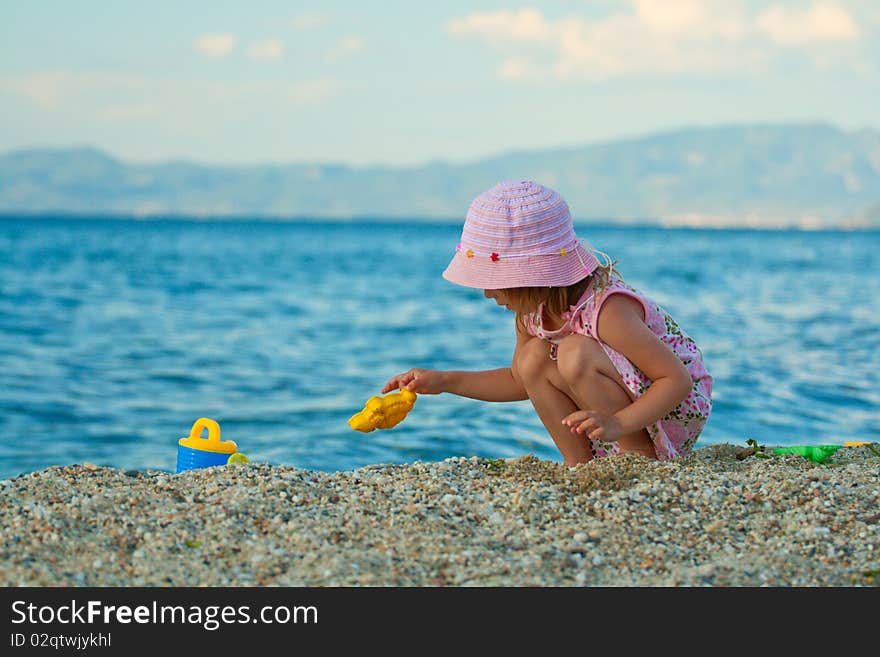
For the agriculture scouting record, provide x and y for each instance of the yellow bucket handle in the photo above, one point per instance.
(212, 443)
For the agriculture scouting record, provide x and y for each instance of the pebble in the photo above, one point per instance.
(707, 519)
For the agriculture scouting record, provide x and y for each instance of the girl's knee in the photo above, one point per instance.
(579, 355)
(532, 360)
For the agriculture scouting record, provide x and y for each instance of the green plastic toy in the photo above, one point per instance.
(816, 453)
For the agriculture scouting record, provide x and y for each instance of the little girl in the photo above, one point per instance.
(607, 369)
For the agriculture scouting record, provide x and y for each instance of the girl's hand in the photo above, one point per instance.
(425, 382)
(594, 425)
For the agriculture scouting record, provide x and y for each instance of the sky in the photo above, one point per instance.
(401, 83)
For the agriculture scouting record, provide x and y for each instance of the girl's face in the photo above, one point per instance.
(502, 298)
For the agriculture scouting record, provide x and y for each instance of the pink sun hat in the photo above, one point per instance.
(519, 234)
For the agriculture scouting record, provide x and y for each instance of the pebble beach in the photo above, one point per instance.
(719, 517)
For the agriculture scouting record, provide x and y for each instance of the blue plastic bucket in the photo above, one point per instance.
(189, 459)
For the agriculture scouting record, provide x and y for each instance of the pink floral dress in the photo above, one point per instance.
(673, 435)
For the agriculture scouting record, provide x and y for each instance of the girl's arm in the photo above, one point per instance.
(621, 325)
(489, 385)
(500, 385)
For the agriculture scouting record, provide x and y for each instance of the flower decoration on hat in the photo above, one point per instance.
(494, 257)
(469, 253)
(563, 252)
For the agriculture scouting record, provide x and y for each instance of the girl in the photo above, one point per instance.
(607, 370)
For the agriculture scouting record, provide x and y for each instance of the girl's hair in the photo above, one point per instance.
(557, 300)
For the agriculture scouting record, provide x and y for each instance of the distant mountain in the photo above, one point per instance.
(812, 175)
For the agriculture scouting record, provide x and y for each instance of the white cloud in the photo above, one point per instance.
(517, 69)
(215, 45)
(52, 90)
(345, 46)
(131, 112)
(44, 90)
(499, 26)
(823, 22)
(671, 17)
(118, 98)
(687, 18)
(268, 50)
(311, 92)
(310, 20)
(652, 37)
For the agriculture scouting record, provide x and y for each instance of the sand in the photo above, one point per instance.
(716, 518)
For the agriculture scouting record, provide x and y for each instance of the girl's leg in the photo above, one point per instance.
(592, 381)
(542, 381)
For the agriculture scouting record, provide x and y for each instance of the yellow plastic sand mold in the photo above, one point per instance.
(383, 412)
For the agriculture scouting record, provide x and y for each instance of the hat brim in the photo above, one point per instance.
(532, 271)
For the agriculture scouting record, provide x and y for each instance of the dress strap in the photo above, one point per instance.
(586, 297)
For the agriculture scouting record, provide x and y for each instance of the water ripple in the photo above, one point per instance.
(115, 336)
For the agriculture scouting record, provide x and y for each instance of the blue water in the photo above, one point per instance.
(115, 336)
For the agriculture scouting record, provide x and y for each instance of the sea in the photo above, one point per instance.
(116, 335)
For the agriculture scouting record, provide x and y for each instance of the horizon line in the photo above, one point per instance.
(247, 218)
